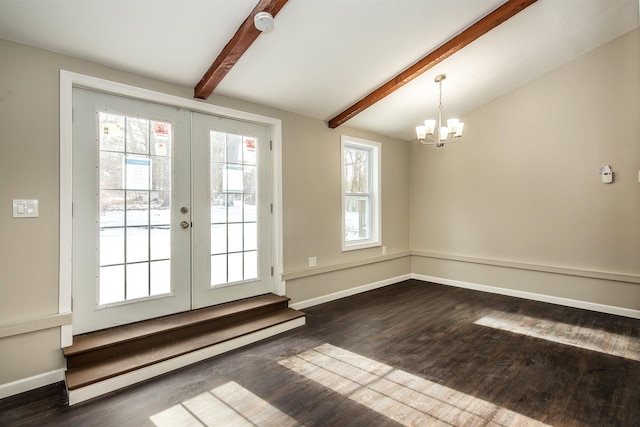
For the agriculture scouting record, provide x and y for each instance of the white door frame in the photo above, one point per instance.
(69, 80)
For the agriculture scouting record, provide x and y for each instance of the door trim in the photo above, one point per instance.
(69, 80)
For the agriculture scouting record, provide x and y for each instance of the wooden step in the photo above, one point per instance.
(108, 343)
(152, 346)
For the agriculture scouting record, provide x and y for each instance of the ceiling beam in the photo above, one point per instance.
(237, 46)
(479, 28)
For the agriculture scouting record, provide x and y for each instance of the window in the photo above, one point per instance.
(360, 193)
(135, 205)
(234, 216)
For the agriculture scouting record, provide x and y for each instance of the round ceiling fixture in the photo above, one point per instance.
(263, 21)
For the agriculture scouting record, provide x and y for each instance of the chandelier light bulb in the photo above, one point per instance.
(430, 125)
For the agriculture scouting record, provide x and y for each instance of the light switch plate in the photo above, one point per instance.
(23, 208)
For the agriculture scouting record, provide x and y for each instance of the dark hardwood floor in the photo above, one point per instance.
(413, 353)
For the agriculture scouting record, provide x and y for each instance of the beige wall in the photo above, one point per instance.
(520, 188)
(347, 280)
(312, 194)
(29, 168)
(522, 185)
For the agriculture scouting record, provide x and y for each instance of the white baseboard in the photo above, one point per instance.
(586, 305)
(31, 383)
(139, 375)
(348, 292)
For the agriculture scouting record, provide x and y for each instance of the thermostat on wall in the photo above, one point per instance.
(606, 173)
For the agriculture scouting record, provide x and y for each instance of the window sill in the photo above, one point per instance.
(356, 246)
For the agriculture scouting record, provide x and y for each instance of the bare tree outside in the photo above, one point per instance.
(357, 193)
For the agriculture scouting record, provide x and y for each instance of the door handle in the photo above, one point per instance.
(184, 224)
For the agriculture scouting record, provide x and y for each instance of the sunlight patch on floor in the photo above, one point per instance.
(563, 333)
(403, 397)
(229, 405)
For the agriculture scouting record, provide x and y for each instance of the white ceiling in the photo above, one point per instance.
(324, 55)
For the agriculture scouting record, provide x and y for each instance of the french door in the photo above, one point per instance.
(232, 204)
(170, 210)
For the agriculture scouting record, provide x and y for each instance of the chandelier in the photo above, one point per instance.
(443, 134)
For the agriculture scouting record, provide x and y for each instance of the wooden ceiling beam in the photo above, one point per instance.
(475, 31)
(235, 48)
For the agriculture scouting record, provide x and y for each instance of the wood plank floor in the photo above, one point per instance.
(409, 354)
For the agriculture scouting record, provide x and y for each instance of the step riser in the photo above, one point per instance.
(128, 332)
(105, 353)
(114, 358)
(107, 369)
(125, 363)
(94, 390)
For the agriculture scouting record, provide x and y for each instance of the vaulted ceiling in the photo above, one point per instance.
(325, 55)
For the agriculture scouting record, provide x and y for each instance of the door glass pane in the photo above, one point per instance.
(137, 244)
(111, 208)
(218, 208)
(160, 277)
(137, 280)
(250, 236)
(218, 146)
(233, 145)
(137, 136)
(234, 208)
(111, 170)
(111, 132)
(249, 151)
(250, 206)
(160, 242)
(218, 238)
(234, 197)
(218, 269)
(112, 246)
(135, 207)
(235, 238)
(161, 173)
(111, 284)
(160, 139)
(160, 205)
(250, 265)
(235, 267)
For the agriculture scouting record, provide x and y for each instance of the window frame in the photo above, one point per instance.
(373, 194)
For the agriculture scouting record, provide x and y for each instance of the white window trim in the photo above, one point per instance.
(375, 172)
